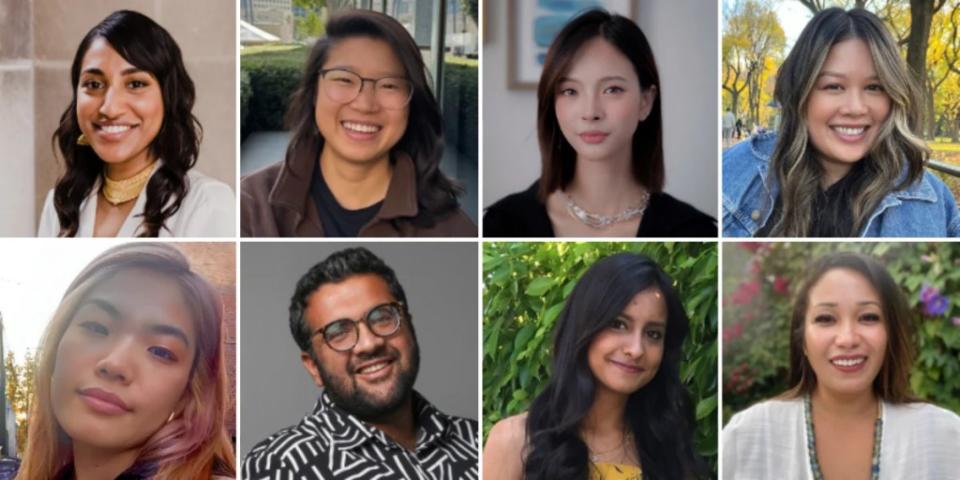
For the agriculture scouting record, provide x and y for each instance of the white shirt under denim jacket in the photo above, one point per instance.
(919, 441)
(207, 210)
(926, 208)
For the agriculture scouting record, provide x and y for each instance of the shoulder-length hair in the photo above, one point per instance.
(194, 444)
(556, 154)
(660, 415)
(893, 381)
(794, 162)
(146, 45)
(423, 138)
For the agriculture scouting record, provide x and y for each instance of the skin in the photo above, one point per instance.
(112, 93)
(847, 93)
(133, 336)
(341, 373)
(601, 94)
(357, 166)
(634, 338)
(845, 319)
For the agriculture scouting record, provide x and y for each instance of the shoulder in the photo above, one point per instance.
(925, 418)
(503, 453)
(764, 414)
(208, 189)
(257, 184)
(756, 149)
(511, 215)
(675, 218)
(285, 451)
(455, 223)
(49, 222)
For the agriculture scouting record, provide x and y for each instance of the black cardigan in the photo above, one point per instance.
(522, 215)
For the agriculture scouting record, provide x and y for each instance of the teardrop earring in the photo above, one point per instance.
(82, 140)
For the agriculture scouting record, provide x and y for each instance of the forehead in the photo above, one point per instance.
(598, 58)
(648, 305)
(840, 285)
(849, 57)
(101, 55)
(366, 56)
(351, 298)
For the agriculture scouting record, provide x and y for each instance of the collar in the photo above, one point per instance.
(349, 432)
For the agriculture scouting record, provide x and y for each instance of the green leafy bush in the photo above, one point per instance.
(461, 107)
(245, 92)
(274, 74)
(525, 286)
(760, 278)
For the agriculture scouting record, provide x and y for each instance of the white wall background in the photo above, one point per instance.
(683, 35)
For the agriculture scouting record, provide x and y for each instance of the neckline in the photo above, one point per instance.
(812, 441)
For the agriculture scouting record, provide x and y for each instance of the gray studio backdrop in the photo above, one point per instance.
(440, 280)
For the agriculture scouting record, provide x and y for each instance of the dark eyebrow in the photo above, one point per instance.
(827, 73)
(834, 304)
(169, 330)
(653, 323)
(126, 71)
(104, 305)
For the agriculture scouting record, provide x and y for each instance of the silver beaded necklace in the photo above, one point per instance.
(599, 221)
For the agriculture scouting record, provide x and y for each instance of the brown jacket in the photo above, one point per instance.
(275, 202)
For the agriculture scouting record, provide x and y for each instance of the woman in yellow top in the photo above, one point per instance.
(615, 407)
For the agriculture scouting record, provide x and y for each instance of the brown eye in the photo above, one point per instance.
(823, 318)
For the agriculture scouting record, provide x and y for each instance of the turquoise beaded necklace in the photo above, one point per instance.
(812, 443)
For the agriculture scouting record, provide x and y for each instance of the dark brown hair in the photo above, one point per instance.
(893, 382)
(558, 156)
(147, 46)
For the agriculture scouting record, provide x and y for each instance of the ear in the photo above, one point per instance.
(311, 367)
(647, 99)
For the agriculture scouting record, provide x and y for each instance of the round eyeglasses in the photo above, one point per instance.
(343, 86)
(383, 320)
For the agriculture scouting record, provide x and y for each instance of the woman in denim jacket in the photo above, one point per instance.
(846, 161)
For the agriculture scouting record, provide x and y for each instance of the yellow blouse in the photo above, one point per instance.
(615, 471)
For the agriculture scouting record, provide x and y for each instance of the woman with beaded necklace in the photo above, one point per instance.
(129, 141)
(850, 413)
(600, 132)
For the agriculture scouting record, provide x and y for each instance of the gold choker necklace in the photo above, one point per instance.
(121, 191)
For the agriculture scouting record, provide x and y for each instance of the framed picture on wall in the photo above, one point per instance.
(532, 26)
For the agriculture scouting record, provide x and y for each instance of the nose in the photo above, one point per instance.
(112, 103)
(848, 336)
(367, 341)
(633, 347)
(367, 98)
(117, 362)
(854, 103)
(592, 109)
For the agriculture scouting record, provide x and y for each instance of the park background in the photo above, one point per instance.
(757, 35)
(525, 285)
(759, 280)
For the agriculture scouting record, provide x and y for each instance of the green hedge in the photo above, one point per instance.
(525, 286)
(246, 91)
(760, 279)
(460, 96)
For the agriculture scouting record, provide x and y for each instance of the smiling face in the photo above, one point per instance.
(846, 107)
(845, 334)
(124, 361)
(361, 130)
(376, 376)
(599, 102)
(626, 354)
(119, 108)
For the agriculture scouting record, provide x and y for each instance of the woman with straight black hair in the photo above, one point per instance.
(367, 142)
(614, 407)
(129, 141)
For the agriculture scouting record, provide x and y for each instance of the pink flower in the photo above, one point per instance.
(751, 246)
(781, 285)
(732, 333)
(745, 293)
(956, 321)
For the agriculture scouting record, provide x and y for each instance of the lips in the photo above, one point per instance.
(360, 130)
(849, 363)
(375, 369)
(102, 401)
(593, 136)
(850, 133)
(628, 367)
(113, 131)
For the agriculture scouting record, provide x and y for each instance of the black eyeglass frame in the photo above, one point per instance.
(323, 73)
(401, 314)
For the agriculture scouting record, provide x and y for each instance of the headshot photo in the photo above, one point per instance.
(849, 131)
(131, 374)
(362, 365)
(593, 119)
(132, 133)
(363, 127)
(600, 360)
(841, 360)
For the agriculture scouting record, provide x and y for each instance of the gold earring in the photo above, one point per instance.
(82, 140)
(172, 415)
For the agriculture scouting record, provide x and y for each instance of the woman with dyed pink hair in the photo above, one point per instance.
(131, 380)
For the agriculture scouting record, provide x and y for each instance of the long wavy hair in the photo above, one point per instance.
(660, 415)
(423, 139)
(192, 445)
(558, 158)
(893, 381)
(146, 45)
(794, 161)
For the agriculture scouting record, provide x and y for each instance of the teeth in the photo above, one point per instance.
(359, 127)
(850, 131)
(374, 368)
(843, 362)
(115, 128)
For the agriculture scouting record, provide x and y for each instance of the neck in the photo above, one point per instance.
(605, 186)
(833, 172)
(356, 185)
(129, 168)
(834, 404)
(399, 425)
(606, 415)
(95, 463)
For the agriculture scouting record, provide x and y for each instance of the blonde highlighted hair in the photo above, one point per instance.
(194, 444)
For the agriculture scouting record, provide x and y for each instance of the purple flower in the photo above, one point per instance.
(936, 306)
(928, 293)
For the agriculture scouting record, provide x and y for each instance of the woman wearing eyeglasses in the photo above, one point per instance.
(366, 146)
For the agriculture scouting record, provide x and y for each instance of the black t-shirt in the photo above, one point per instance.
(831, 215)
(336, 220)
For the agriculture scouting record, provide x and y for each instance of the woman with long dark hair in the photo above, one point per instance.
(614, 406)
(601, 143)
(848, 159)
(129, 141)
(849, 412)
(367, 142)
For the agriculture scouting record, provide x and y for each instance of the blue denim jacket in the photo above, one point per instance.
(924, 209)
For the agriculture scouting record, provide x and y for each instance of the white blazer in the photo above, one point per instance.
(769, 440)
(208, 210)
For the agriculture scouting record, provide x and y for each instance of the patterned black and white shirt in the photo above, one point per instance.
(332, 444)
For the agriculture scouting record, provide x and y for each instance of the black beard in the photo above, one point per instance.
(346, 393)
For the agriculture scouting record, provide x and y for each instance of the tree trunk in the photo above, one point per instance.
(921, 15)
